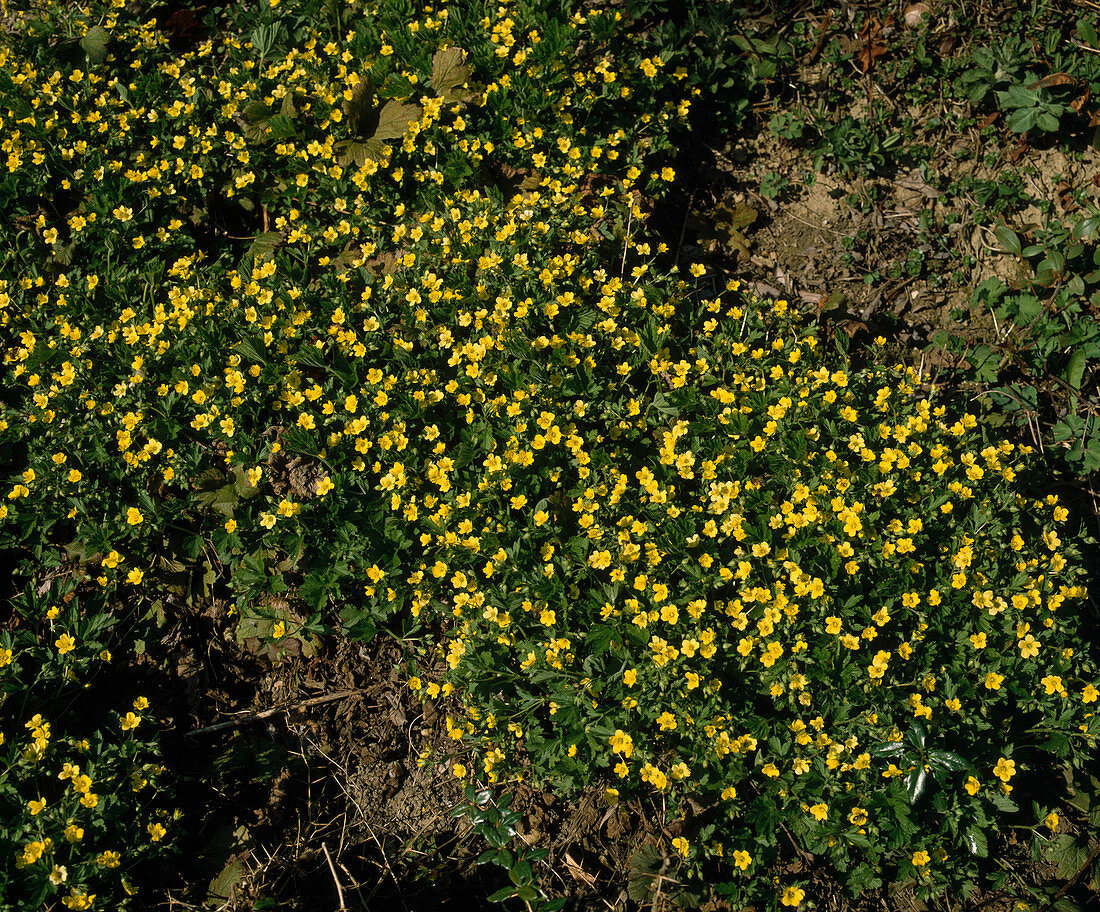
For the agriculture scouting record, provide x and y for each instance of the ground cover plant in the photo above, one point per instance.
(352, 317)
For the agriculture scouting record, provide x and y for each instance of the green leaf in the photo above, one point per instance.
(281, 127)
(915, 783)
(976, 843)
(917, 734)
(947, 761)
(95, 42)
(1068, 854)
(889, 749)
(1022, 120)
(600, 638)
(251, 350)
(1074, 373)
(520, 873)
(1010, 241)
(263, 246)
(1047, 122)
(255, 115)
(502, 894)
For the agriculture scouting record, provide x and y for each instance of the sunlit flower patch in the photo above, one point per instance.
(368, 311)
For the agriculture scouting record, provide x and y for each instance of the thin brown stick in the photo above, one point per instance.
(268, 713)
(336, 880)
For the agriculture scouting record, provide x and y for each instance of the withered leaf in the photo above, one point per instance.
(394, 120)
(359, 110)
(449, 75)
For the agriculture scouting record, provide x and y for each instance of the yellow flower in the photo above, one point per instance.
(1029, 647)
(858, 816)
(793, 896)
(993, 680)
(742, 859)
(921, 858)
(130, 721)
(622, 743)
(79, 901)
(820, 811)
(1005, 769)
(108, 859)
(1051, 821)
(134, 517)
(156, 831)
(65, 644)
(1089, 694)
(459, 771)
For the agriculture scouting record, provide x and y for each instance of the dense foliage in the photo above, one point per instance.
(363, 308)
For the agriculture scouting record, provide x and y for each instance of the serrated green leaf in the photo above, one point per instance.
(250, 350)
(1068, 854)
(281, 127)
(263, 246)
(1003, 803)
(976, 843)
(95, 42)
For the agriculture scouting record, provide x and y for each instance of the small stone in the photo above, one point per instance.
(916, 15)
